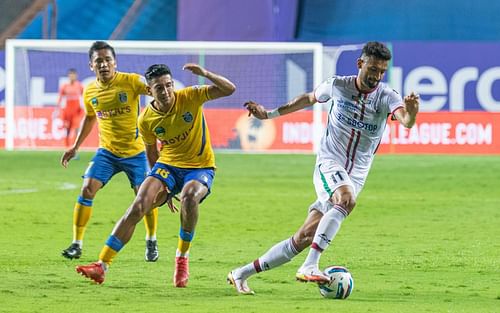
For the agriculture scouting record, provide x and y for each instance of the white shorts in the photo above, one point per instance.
(327, 177)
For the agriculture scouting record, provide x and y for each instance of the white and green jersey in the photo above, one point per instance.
(356, 123)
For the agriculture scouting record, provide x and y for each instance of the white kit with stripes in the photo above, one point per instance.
(356, 123)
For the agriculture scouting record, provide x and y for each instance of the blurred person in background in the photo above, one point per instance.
(70, 110)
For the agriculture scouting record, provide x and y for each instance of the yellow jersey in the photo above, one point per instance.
(116, 106)
(183, 132)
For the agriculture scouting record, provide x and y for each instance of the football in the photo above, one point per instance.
(340, 285)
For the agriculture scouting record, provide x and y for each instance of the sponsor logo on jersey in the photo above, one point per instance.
(347, 106)
(355, 123)
(188, 117)
(178, 138)
(122, 96)
(105, 114)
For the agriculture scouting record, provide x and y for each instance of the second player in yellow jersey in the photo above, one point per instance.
(115, 104)
(184, 165)
(182, 132)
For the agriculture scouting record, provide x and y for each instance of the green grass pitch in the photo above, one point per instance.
(424, 237)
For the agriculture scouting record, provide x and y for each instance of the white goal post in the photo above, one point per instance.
(264, 70)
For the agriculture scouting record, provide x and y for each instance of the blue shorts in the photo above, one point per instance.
(175, 177)
(105, 165)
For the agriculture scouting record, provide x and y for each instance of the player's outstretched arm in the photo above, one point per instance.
(408, 114)
(298, 103)
(85, 129)
(222, 87)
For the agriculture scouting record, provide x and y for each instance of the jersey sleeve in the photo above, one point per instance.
(139, 84)
(393, 100)
(89, 110)
(147, 134)
(198, 94)
(323, 92)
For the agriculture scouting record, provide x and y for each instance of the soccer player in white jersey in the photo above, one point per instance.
(356, 120)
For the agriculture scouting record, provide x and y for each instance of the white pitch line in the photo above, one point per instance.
(67, 186)
(14, 191)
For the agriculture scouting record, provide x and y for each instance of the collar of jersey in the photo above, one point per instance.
(108, 84)
(161, 112)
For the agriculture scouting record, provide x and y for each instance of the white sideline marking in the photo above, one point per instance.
(67, 186)
(14, 191)
(62, 186)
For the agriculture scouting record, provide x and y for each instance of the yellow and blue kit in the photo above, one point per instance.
(183, 132)
(116, 106)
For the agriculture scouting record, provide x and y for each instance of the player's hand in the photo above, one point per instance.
(195, 69)
(411, 104)
(170, 203)
(67, 156)
(256, 110)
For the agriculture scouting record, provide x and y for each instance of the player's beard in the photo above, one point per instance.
(371, 83)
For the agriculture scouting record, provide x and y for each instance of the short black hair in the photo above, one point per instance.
(72, 70)
(155, 71)
(99, 45)
(377, 50)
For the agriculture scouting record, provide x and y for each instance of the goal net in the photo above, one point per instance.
(267, 73)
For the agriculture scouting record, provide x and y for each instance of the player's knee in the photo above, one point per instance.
(88, 192)
(188, 198)
(347, 201)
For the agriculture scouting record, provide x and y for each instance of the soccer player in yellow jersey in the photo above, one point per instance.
(185, 163)
(113, 101)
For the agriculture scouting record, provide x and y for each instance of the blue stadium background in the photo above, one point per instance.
(327, 21)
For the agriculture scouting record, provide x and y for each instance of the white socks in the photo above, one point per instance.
(279, 254)
(328, 227)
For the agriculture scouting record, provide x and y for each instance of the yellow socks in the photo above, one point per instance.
(184, 243)
(151, 223)
(81, 216)
(110, 250)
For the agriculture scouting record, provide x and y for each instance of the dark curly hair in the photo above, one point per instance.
(155, 71)
(377, 50)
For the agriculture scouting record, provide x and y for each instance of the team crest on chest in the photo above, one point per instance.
(160, 131)
(93, 101)
(188, 117)
(122, 96)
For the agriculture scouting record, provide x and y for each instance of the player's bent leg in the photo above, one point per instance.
(121, 233)
(143, 204)
(338, 207)
(191, 195)
(304, 238)
(239, 284)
